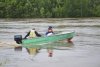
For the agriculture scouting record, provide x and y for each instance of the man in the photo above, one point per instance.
(32, 33)
(50, 31)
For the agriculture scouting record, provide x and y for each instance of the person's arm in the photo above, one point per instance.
(27, 35)
(46, 33)
(52, 31)
(37, 34)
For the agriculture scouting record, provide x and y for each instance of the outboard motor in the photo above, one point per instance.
(18, 39)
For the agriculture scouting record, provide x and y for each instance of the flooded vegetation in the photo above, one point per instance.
(83, 51)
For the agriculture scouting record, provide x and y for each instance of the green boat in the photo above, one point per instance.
(47, 39)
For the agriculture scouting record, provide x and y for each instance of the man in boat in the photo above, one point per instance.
(32, 33)
(50, 31)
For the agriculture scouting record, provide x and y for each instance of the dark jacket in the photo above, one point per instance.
(37, 34)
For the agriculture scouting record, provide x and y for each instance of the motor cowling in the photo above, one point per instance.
(18, 39)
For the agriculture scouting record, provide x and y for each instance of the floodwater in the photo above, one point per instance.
(83, 51)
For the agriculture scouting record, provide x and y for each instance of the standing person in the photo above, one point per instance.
(32, 33)
(50, 31)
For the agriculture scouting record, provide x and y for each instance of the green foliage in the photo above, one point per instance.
(97, 11)
(49, 8)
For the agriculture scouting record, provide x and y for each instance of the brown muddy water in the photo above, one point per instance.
(84, 51)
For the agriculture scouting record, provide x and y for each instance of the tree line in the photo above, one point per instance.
(49, 8)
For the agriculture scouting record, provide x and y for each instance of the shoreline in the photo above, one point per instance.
(44, 19)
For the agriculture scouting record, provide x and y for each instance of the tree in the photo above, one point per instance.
(49, 8)
(42, 12)
(97, 11)
(2, 9)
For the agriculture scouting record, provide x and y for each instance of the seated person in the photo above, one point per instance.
(50, 31)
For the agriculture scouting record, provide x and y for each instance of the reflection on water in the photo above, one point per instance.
(18, 48)
(32, 51)
(60, 45)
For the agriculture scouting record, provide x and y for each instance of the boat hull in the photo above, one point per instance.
(49, 39)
